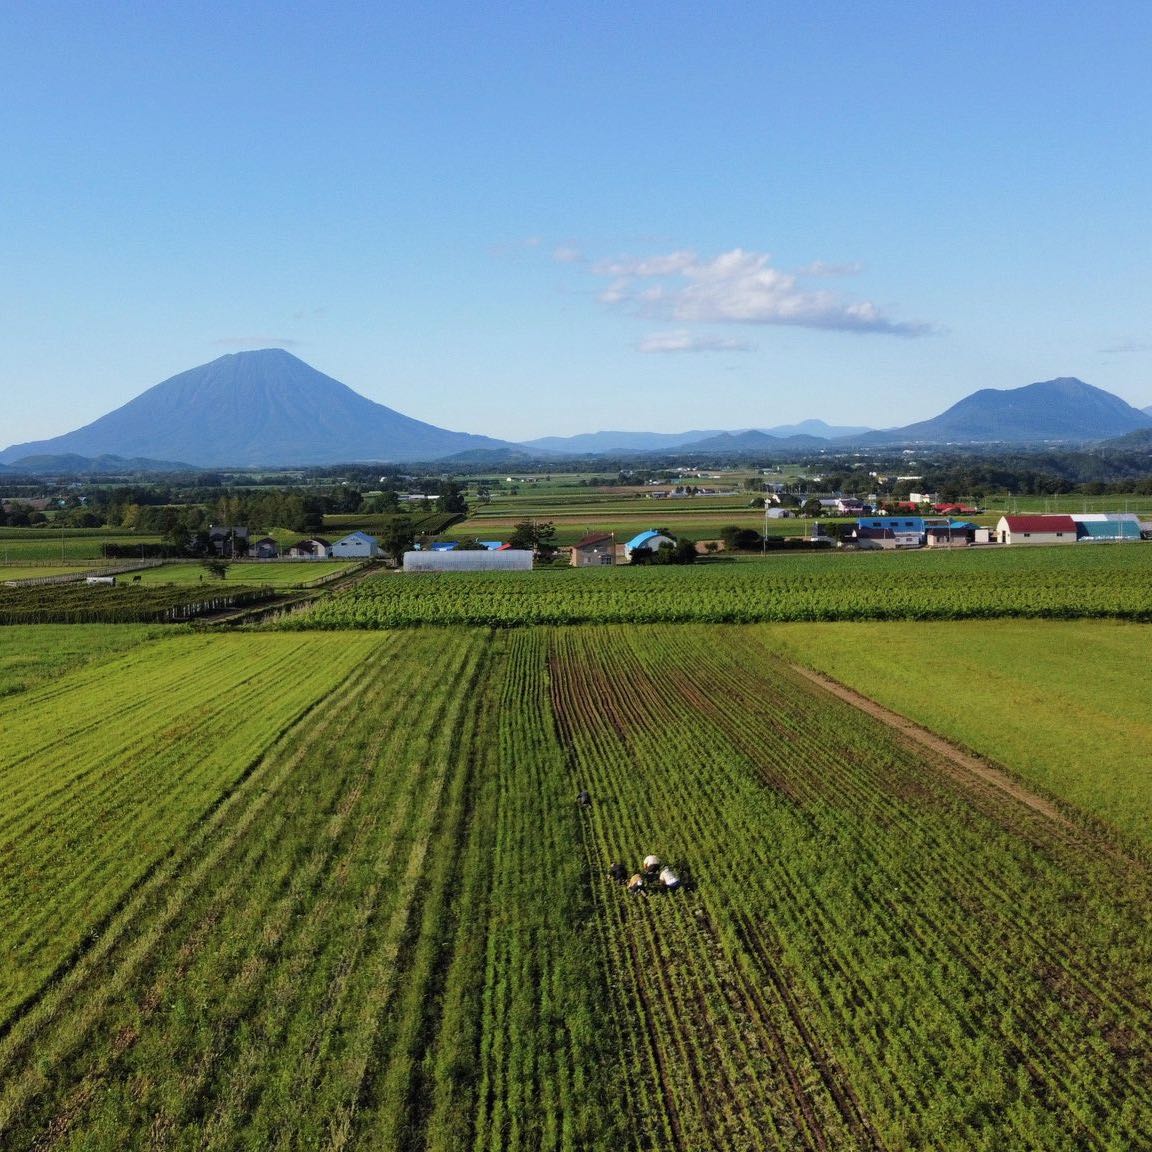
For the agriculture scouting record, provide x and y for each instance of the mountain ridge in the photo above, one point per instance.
(257, 408)
(1064, 408)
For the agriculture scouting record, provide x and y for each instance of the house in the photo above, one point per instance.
(950, 534)
(313, 549)
(889, 532)
(1107, 527)
(228, 540)
(265, 549)
(1036, 530)
(594, 550)
(653, 540)
(356, 545)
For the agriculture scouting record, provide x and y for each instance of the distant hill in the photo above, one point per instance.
(256, 409)
(1131, 441)
(1061, 409)
(71, 464)
(731, 443)
(593, 443)
(816, 428)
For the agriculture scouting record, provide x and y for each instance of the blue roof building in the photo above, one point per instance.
(652, 539)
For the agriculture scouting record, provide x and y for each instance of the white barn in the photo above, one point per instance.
(356, 545)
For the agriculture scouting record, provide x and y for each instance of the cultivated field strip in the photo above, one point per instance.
(949, 974)
(1060, 583)
(381, 937)
(138, 750)
(250, 990)
(342, 897)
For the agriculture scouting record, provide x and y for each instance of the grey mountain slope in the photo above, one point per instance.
(729, 443)
(72, 464)
(593, 442)
(1060, 409)
(256, 408)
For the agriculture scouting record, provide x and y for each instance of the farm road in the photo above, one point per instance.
(961, 763)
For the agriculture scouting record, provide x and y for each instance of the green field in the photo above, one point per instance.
(24, 545)
(123, 603)
(575, 516)
(274, 573)
(285, 891)
(31, 654)
(1064, 704)
(925, 585)
(39, 571)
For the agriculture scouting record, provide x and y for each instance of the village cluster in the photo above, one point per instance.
(865, 532)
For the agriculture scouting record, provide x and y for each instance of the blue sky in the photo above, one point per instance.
(537, 219)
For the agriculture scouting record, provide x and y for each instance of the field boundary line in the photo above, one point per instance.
(967, 762)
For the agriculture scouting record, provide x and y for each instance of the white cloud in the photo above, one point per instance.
(822, 268)
(567, 254)
(741, 287)
(683, 341)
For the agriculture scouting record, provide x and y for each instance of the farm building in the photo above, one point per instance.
(1036, 530)
(228, 539)
(889, 532)
(265, 549)
(1107, 527)
(314, 549)
(594, 550)
(652, 539)
(356, 545)
(502, 560)
(950, 534)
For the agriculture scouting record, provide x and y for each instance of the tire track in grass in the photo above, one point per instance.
(977, 965)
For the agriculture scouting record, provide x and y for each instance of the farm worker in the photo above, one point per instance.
(651, 864)
(583, 798)
(636, 884)
(618, 872)
(669, 878)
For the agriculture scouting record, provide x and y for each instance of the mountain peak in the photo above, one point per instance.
(259, 407)
(1065, 408)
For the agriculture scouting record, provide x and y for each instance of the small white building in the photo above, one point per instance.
(1036, 529)
(503, 560)
(356, 546)
(316, 548)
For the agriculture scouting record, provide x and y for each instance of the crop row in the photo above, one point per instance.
(124, 603)
(1043, 582)
(289, 891)
(936, 978)
(367, 929)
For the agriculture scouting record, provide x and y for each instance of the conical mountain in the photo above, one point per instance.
(1060, 409)
(256, 409)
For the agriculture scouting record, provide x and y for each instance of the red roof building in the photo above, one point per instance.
(1036, 530)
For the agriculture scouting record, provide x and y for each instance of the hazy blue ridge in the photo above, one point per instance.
(1062, 409)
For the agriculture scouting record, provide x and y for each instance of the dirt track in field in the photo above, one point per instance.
(961, 764)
